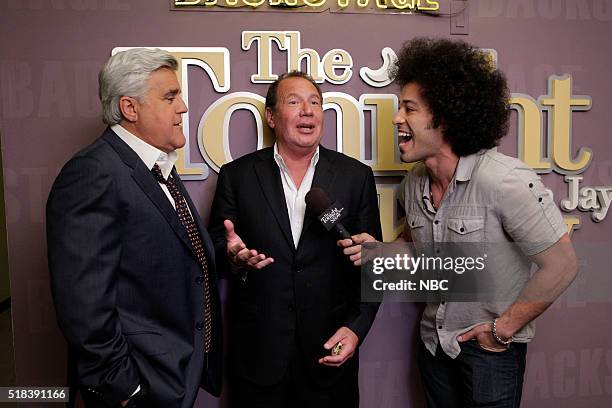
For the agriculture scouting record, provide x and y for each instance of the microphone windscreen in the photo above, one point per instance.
(317, 201)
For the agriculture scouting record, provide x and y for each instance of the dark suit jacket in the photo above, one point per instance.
(306, 294)
(125, 281)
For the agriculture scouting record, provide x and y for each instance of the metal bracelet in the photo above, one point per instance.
(497, 338)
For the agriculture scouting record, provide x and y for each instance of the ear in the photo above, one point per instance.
(129, 108)
(270, 117)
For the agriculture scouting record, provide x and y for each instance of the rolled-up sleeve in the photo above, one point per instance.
(528, 211)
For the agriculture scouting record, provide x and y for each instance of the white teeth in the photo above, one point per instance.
(404, 136)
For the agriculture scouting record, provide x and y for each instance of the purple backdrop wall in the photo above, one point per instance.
(50, 52)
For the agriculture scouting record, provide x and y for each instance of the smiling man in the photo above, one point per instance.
(132, 267)
(453, 111)
(294, 295)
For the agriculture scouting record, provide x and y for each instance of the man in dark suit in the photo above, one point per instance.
(132, 267)
(296, 295)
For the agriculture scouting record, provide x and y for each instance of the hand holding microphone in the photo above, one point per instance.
(319, 204)
(352, 246)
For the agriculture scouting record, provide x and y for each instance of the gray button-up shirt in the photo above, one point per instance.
(492, 199)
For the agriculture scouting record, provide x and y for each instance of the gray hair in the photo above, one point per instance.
(126, 74)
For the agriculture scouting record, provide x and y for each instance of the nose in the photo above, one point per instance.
(306, 109)
(181, 106)
(397, 118)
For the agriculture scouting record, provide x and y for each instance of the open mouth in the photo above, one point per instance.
(306, 128)
(403, 136)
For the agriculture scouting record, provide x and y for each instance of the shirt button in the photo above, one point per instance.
(199, 280)
(461, 229)
(199, 326)
(443, 302)
(436, 222)
(440, 327)
(291, 308)
(530, 185)
(437, 251)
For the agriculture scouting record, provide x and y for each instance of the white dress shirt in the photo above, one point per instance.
(295, 197)
(150, 155)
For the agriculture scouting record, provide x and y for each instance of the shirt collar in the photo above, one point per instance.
(466, 166)
(463, 172)
(281, 163)
(150, 155)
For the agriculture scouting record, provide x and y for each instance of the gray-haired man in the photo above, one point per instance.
(132, 267)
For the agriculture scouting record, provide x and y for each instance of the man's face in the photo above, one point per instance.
(159, 115)
(417, 138)
(297, 119)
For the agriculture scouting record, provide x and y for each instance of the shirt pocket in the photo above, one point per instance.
(466, 229)
(415, 221)
(418, 226)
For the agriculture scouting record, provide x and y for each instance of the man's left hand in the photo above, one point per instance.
(349, 342)
(482, 333)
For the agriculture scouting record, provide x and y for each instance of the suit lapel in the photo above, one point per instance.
(151, 188)
(324, 174)
(146, 181)
(270, 182)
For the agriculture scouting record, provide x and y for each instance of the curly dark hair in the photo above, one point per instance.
(271, 95)
(463, 91)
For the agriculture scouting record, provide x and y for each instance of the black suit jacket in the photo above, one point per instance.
(126, 283)
(308, 292)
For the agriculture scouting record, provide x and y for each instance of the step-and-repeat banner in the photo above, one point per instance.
(556, 55)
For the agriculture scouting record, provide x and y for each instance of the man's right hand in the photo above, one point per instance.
(352, 247)
(239, 254)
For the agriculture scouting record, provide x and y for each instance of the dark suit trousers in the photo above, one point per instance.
(296, 390)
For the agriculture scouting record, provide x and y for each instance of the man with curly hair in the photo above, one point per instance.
(453, 111)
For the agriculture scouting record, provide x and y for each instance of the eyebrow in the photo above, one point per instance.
(409, 102)
(314, 95)
(172, 92)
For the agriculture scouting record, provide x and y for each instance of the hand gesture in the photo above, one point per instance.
(239, 254)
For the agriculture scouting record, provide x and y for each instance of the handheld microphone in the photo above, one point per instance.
(330, 214)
